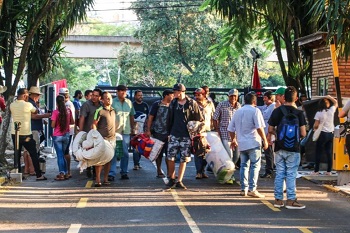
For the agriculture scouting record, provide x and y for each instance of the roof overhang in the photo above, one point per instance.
(312, 41)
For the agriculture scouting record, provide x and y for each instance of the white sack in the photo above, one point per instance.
(218, 158)
(91, 149)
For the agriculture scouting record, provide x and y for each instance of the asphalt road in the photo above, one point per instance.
(142, 204)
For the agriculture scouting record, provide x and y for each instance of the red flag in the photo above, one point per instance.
(256, 79)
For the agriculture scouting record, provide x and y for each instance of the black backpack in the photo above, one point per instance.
(288, 133)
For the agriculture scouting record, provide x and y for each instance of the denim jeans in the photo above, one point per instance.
(234, 155)
(124, 160)
(250, 167)
(61, 143)
(200, 163)
(287, 164)
(136, 157)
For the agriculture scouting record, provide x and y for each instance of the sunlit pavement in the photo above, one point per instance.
(142, 204)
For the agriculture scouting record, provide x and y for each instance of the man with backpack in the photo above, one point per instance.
(157, 125)
(287, 124)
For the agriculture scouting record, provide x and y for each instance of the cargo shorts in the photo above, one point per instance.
(179, 144)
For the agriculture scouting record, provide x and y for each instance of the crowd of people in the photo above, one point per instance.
(244, 131)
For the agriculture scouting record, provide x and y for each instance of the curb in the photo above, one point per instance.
(329, 187)
(2, 181)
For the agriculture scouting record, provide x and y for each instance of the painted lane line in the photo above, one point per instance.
(74, 228)
(305, 230)
(191, 223)
(89, 184)
(82, 202)
(268, 204)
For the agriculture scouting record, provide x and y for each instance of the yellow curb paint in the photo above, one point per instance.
(268, 204)
(331, 188)
(305, 230)
(89, 184)
(74, 228)
(2, 180)
(82, 202)
(191, 223)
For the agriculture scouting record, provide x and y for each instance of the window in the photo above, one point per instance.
(322, 87)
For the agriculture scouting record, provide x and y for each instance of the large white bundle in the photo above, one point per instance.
(218, 158)
(91, 149)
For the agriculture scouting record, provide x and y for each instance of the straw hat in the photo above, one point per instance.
(2, 89)
(35, 90)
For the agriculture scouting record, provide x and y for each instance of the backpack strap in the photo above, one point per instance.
(284, 110)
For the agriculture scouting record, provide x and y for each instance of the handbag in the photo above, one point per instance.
(317, 133)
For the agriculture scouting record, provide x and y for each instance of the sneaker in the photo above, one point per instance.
(255, 194)
(171, 184)
(136, 167)
(243, 193)
(266, 175)
(278, 203)
(230, 181)
(294, 205)
(124, 177)
(179, 184)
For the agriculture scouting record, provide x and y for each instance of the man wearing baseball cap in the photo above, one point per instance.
(125, 125)
(222, 117)
(182, 110)
(279, 96)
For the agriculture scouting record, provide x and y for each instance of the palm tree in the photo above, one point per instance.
(285, 21)
(35, 26)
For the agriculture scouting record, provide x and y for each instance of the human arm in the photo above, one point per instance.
(271, 132)
(149, 124)
(234, 143)
(261, 133)
(316, 124)
(132, 124)
(345, 110)
(334, 101)
(302, 131)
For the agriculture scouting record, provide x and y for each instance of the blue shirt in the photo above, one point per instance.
(38, 123)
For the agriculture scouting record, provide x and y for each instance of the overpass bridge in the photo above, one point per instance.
(81, 46)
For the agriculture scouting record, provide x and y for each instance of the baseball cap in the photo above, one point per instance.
(179, 87)
(199, 91)
(233, 92)
(64, 90)
(121, 88)
(279, 91)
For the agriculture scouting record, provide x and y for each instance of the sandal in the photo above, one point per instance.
(60, 177)
(98, 184)
(198, 176)
(106, 183)
(204, 175)
(41, 178)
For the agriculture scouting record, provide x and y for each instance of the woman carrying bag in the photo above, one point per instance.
(324, 122)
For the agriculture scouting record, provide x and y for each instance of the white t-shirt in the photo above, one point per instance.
(346, 109)
(327, 119)
(70, 105)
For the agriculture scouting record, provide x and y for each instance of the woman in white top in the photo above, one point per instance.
(325, 118)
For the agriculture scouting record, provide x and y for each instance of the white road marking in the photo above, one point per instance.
(74, 228)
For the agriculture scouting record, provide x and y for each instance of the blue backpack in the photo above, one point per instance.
(288, 134)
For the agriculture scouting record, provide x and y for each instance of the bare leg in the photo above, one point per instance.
(159, 164)
(28, 164)
(182, 169)
(107, 167)
(67, 157)
(98, 170)
(171, 169)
